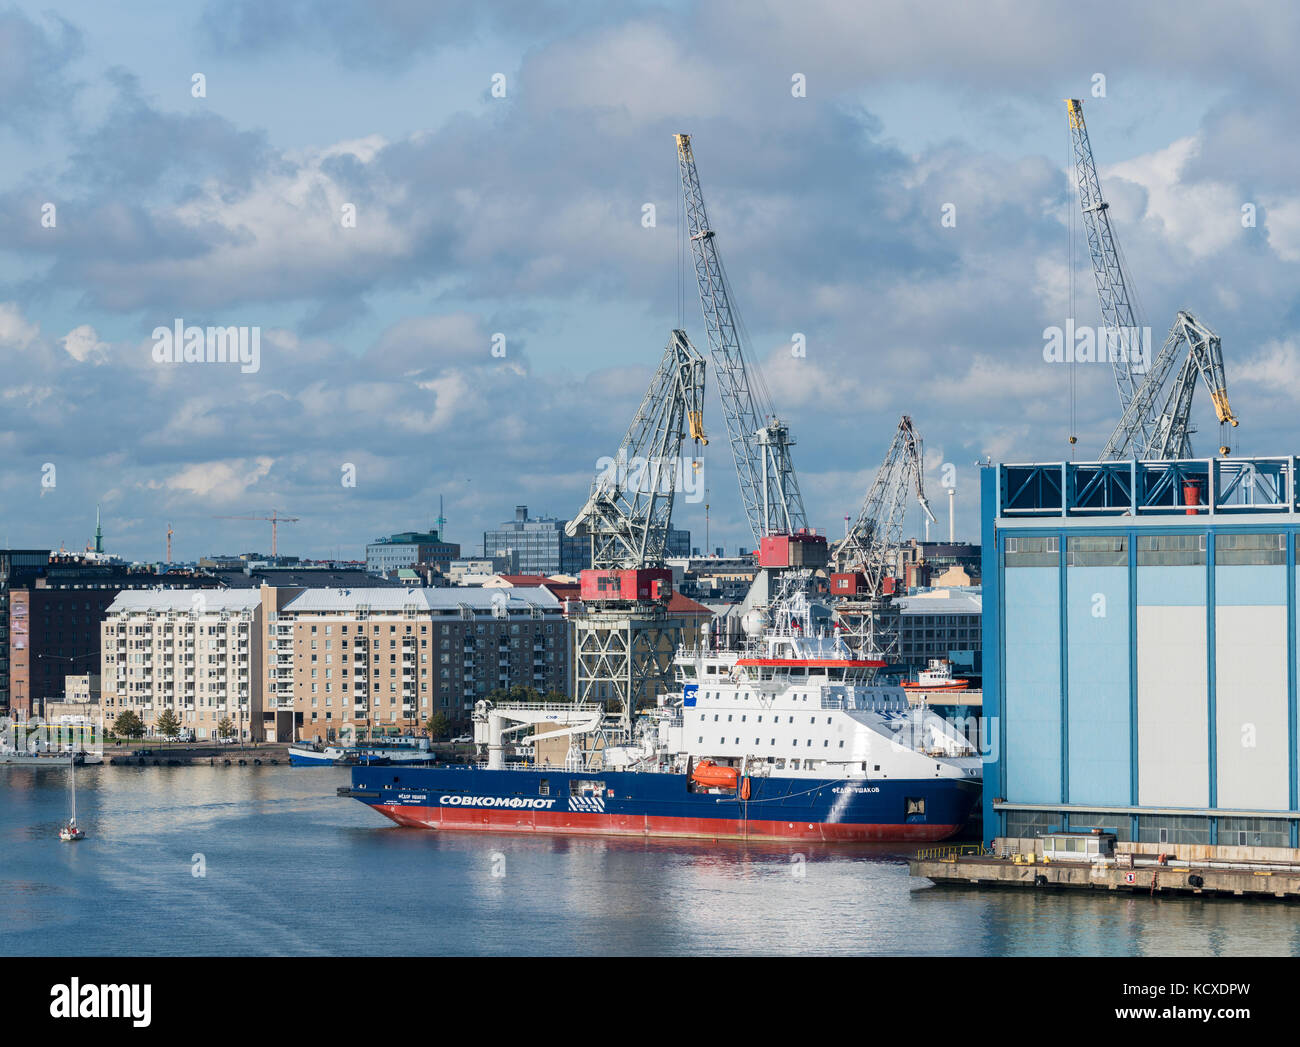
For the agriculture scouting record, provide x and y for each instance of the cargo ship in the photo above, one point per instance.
(781, 737)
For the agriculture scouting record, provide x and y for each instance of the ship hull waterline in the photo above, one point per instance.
(847, 811)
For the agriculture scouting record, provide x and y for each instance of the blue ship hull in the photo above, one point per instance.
(659, 804)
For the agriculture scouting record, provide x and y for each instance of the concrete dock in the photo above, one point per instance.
(1133, 868)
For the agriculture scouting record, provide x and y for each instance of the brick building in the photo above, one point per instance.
(342, 662)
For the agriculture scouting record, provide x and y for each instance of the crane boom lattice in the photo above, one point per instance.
(760, 442)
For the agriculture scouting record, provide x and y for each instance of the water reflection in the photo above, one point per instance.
(289, 868)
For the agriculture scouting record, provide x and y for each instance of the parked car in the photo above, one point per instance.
(462, 739)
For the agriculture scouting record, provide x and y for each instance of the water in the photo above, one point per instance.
(292, 869)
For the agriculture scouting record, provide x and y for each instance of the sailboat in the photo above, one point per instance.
(71, 832)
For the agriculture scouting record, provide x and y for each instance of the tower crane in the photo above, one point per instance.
(624, 640)
(865, 557)
(1154, 423)
(274, 518)
(760, 441)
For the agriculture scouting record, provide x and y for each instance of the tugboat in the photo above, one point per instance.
(938, 677)
(71, 832)
(781, 737)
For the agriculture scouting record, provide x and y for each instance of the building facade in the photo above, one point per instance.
(196, 653)
(408, 549)
(55, 616)
(1140, 635)
(943, 623)
(16, 567)
(344, 663)
(540, 545)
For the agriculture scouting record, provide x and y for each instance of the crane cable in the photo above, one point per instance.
(1072, 219)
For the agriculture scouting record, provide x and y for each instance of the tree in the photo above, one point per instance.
(168, 726)
(128, 725)
(437, 725)
(225, 728)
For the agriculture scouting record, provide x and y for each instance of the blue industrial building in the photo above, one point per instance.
(1140, 650)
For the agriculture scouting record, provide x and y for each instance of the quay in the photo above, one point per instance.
(1097, 862)
(205, 755)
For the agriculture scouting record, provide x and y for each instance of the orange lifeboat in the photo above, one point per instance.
(711, 774)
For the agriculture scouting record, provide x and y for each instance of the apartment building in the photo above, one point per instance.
(346, 662)
(198, 653)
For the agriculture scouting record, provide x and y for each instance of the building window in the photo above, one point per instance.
(1171, 550)
(1234, 549)
(1097, 551)
(1033, 551)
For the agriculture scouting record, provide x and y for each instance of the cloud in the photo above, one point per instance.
(35, 77)
(222, 481)
(16, 332)
(82, 344)
(524, 218)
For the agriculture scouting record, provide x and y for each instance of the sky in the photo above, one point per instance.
(202, 163)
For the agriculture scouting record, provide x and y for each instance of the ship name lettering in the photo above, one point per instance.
(449, 800)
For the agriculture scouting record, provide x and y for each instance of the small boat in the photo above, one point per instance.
(398, 751)
(329, 756)
(72, 832)
(938, 677)
(714, 775)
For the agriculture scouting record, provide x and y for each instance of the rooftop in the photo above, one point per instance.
(205, 601)
(422, 599)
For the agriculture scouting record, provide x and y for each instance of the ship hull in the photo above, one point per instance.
(662, 805)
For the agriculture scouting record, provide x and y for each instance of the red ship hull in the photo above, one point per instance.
(577, 823)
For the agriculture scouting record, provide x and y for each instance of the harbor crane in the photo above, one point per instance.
(760, 441)
(1155, 422)
(624, 640)
(865, 558)
(629, 510)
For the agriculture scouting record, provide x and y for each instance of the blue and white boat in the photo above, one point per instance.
(402, 750)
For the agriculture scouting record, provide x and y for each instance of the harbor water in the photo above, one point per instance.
(268, 861)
